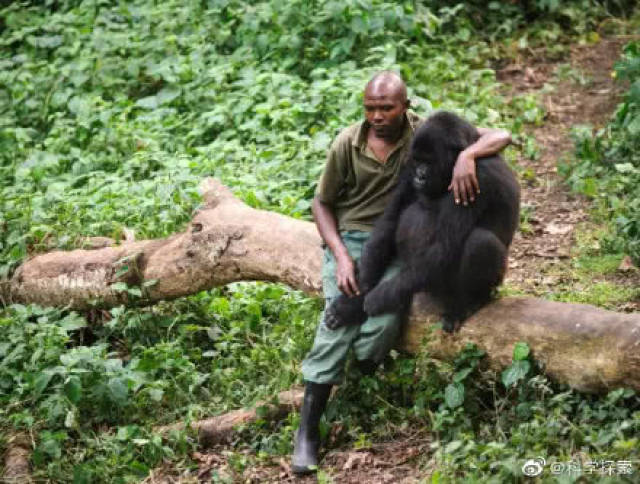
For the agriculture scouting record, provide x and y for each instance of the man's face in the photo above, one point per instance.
(385, 113)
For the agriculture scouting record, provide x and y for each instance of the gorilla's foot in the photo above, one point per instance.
(453, 320)
(372, 303)
(451, 323)
(385, 298)
(345, 311)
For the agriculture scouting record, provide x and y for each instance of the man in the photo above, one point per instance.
(362, 169)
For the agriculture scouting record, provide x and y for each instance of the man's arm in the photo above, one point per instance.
(328, 227)
(464, 182)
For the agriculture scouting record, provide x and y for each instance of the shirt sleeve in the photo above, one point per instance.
(334, 175)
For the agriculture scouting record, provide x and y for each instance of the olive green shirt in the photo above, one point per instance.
(354, 182)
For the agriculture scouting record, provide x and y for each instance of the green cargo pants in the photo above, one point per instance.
(370, 341)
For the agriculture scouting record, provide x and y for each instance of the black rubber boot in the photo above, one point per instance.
(367, 367)
(305, 452)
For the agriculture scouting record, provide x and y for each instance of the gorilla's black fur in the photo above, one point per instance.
(456, 253)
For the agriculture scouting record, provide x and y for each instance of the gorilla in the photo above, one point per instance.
(456, 253)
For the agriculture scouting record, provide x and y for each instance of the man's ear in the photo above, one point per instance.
(407, 104)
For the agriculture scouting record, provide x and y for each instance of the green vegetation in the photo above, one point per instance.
(110, 115)
(608, 166)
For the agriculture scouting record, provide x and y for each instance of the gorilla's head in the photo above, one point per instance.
(434, 150)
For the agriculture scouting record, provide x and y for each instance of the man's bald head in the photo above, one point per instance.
(386, 84)
(385, 105)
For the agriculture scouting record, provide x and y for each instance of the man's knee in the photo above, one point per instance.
(377, 336)
(326, 360)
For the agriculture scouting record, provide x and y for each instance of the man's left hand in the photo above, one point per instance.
(464, 182)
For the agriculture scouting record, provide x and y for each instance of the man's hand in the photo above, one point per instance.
(346, 276)
(464, 182)
(328, 227)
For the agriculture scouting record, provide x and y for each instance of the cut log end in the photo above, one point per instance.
(16, 460)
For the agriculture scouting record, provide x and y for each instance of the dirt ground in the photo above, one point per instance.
(578, 89)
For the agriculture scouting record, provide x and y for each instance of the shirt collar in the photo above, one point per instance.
(359, 138)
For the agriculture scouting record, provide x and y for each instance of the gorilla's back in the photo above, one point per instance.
(499, 184)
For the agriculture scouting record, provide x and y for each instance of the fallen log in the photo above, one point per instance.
(588, 348)
(226, 241)
(220, 429)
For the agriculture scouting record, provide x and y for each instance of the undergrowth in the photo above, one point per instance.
(111, 113)
(479, 425)
(607, 168)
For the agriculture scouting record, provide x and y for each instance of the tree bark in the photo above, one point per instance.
(588, 348)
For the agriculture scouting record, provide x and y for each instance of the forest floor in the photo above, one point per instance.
(577, 89)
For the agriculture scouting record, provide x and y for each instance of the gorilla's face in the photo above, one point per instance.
(430, 175)
(434, 151)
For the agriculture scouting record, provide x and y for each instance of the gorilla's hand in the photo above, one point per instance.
(345, 311)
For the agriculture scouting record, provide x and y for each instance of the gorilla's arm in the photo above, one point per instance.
(380, 249)
(431, 265)
(396, 292)
(376, 256)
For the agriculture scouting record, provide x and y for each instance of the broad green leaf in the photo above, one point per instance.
(70, 420)
(453, 446)
(41, 382)
(45, 41)
(461, 375)
(149, 102)
(520, 351)
(625, 167)
(73, 389)
(73, 322)
(119, 287)
(454, 395)
(517, 371)
(167, 95)
(118, 390)
(156, 394)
